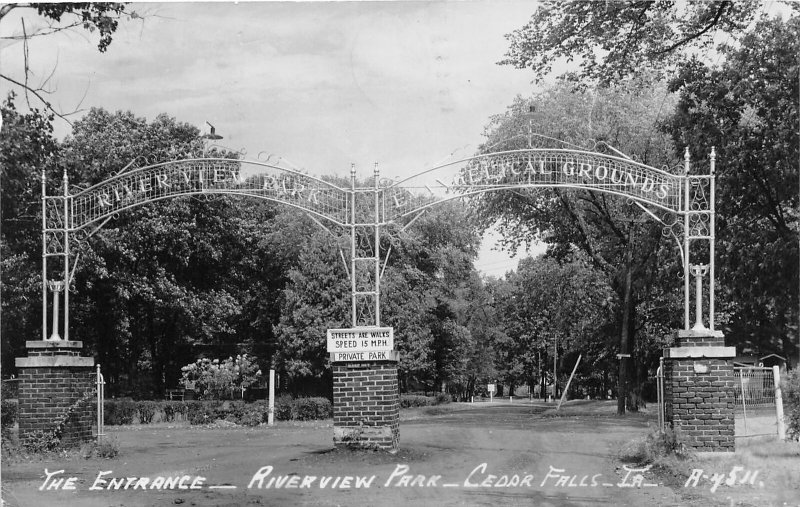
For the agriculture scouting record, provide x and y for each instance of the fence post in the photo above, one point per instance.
(271, 413)
(660, 389)
(776, 373)
(744, 401)
(100, 388)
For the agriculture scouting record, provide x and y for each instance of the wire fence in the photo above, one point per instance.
(755, 387)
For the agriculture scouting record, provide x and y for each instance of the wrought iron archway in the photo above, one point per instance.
(684, 201)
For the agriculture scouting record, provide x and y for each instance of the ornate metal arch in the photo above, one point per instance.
(365, 210)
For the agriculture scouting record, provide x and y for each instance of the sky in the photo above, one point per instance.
(322, 84)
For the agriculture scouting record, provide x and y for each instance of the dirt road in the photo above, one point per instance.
(498, 455)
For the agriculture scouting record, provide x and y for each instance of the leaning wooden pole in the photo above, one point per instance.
(566, 388)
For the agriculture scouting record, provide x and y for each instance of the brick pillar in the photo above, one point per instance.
(698, 390)
(56, 385)
(366, 405)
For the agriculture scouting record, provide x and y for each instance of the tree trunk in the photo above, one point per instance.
(624, 339)
(635, 367)
(542, 377)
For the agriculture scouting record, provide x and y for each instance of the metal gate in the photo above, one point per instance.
(759, 411)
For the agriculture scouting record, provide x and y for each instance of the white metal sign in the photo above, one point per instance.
(367, 339)
(381, 355)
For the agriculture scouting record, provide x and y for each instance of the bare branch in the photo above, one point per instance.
(696, 35)
(26, 66)
(80, 19)
(38, 96)
(51, 29)
(52, 73)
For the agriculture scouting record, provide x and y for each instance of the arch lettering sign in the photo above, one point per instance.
(363, 210)
(207, 176)
(536, 168)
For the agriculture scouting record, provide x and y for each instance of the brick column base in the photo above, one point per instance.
(698, 390)
(55, 392)
(366, 405)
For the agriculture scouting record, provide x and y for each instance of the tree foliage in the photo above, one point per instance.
(27, 147)
(614, 40)
(547, 304)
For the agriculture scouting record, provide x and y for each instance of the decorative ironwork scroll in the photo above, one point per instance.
(69, 217)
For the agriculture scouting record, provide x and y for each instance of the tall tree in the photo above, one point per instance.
(26, 147)
(612, 233)
(161, 281)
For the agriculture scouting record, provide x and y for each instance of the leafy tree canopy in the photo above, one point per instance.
(612, 40)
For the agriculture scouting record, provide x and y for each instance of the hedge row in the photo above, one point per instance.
(127, 411)
(417, 400)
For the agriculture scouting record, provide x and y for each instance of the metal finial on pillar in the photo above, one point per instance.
(686, 159)
(56, 286)
(713, 159)
(699, 271)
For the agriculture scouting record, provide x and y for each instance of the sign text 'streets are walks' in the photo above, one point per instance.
(361, 344)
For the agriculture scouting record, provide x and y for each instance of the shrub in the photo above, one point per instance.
(171, 409)
(107, 447)
(202, 411)
(254, 414)
(307, 409)
(790, 391)
(119, 411)
(9, 389)
(231, 411)
(415, 400)
(147, 410)
(656, 446)
(283, 408)
(41, 441)
(215, 379)
(443, 398)
(8, 414)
